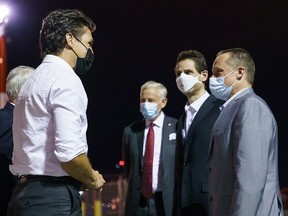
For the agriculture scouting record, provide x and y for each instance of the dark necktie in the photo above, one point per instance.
(148, 164)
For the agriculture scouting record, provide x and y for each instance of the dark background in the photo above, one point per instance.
(137, 41)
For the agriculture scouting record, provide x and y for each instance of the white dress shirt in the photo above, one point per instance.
(158, 127)
(191, 111)
(50, 120)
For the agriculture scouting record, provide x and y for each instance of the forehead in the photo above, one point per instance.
(149, 93)
(221, 60)
(185, 64)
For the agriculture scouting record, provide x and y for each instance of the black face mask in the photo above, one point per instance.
(83, 65)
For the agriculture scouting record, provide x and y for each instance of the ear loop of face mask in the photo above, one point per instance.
(83, 65)
(218, 87)
(228, 75)
(79, 42)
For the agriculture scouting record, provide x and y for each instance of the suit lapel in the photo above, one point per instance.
(180, 125)
(140, 141)
(204, 109)
(227, 107)
(166, 130)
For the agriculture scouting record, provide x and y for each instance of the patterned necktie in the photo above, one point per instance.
(148, 164)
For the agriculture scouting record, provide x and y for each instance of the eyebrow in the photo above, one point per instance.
(186, 70)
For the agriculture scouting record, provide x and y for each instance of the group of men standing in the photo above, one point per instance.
(219, 158)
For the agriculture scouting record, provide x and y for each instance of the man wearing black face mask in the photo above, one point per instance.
(50, 149)
(83, 65)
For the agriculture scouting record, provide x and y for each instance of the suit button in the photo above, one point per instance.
(210, 169)
(210, 199)
(185, 164)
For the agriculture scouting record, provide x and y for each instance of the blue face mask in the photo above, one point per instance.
(219, 89)
(149, 110)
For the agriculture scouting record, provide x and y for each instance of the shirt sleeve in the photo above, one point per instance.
(69, 103)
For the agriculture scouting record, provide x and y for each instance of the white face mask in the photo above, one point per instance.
(185, 82)
(219, 89)
(149, 110)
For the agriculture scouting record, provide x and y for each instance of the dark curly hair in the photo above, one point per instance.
(57, 24)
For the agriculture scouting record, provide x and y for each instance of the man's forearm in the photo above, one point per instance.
(80, 168)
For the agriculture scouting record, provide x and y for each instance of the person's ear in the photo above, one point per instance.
(203, 76)
(240, 72)
(163, 102)
(69, 39)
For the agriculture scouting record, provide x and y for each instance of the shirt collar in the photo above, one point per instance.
(158, 121)
(197, 104)
(232, 98)
(57, 60)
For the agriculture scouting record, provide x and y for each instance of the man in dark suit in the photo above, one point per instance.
(193, 135)
(153, 98)
(15, 80)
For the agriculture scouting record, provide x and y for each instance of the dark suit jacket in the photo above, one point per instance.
(132, 154)
(6, 148)
(6, 139)
(191, 170)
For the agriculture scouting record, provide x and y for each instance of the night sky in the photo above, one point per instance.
(137, 41)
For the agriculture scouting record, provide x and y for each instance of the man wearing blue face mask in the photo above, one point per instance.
(243, 157)
(219, 88)
(148, 152)
(193, 135)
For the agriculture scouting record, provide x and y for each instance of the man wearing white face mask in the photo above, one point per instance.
(150, 171)
(243, 157)
(193, 135)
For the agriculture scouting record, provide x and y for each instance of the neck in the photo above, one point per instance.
(239, 87)
(196, 95)
(69, 56)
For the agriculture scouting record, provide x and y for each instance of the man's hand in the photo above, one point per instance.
(98, 183)
(80, 168)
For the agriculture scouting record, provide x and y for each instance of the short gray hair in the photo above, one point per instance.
(162, 91)
(15, 79)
